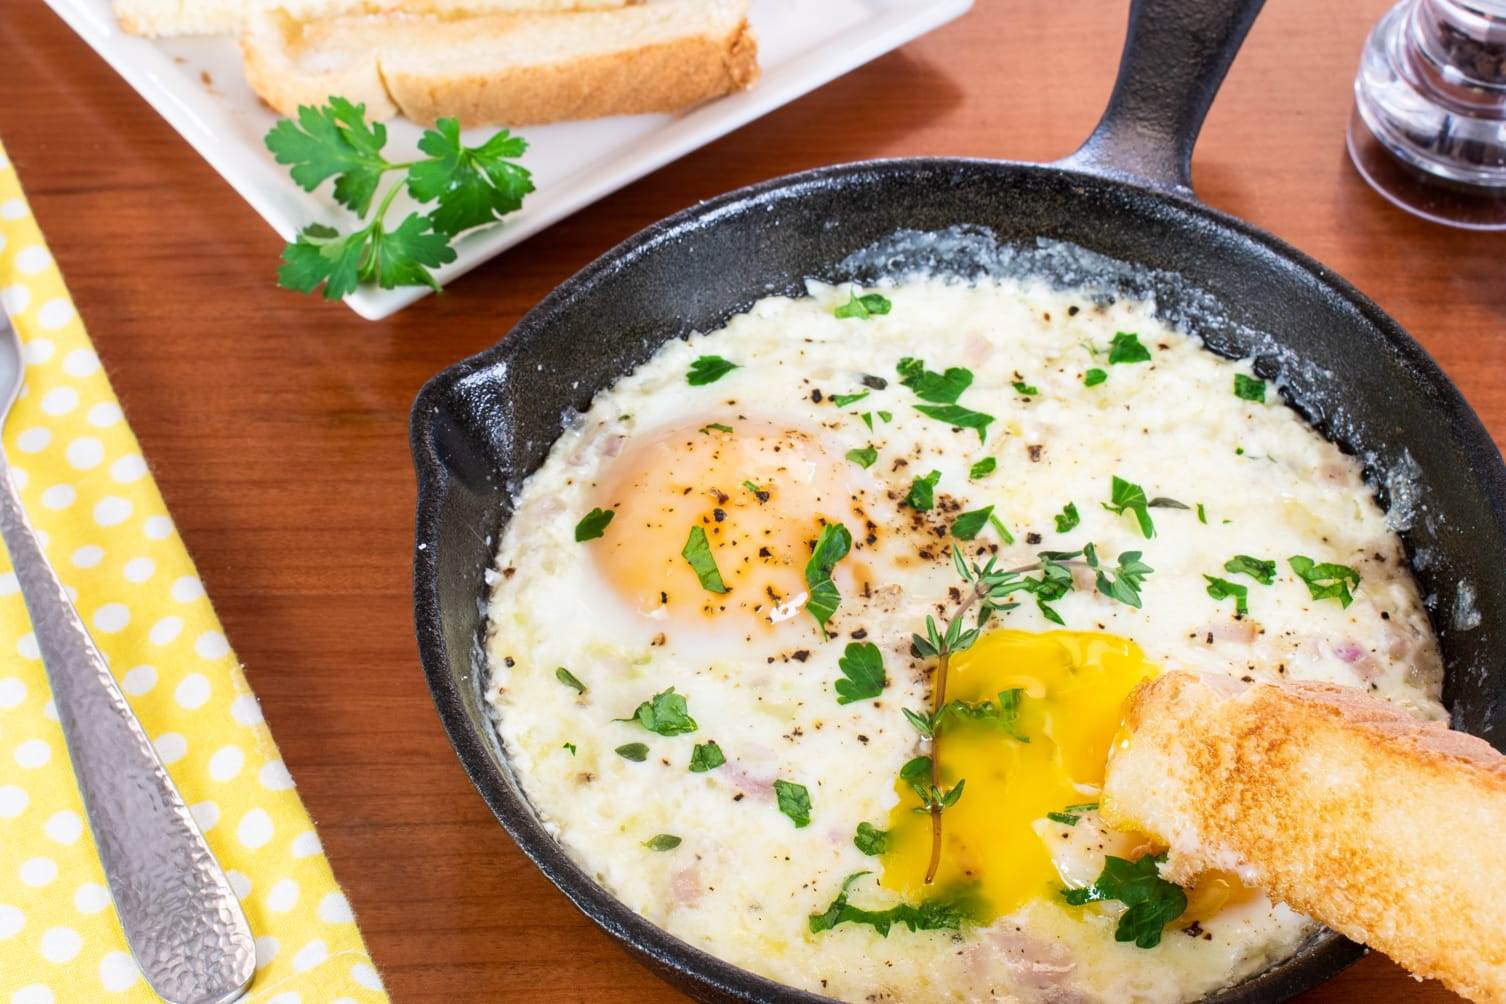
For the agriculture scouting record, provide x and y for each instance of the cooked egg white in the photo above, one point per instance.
(760, 460)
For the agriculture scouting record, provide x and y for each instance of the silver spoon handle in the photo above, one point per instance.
(181, 918)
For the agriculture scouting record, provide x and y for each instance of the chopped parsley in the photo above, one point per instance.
(931, 915)
(662, 842)
(1153, 902)
(921, 494)
(886, 416)
(1126, 348)
(708, 369)
(831, 547)
(1067, 519)
(718, 426)
(666, 714)
(1223, 589)
(636, 752)
(1021, 387)
(706, 756)
(1202, 514)
(568, 746)
(982, 468)
(1325, 580)
(1162, 502)
(1249, 388)
(794, 801)
(1262, 571)
(843, 400)
(1070, 815)
(870, 839)
(867, 418)
(566, 677)
(1123, 584)
(928, 385)
(1094, 377)
(593, 524)
(1126, 496)
(863, 306)
(866, 457)
(697, 552)
(958, 417)
(967, 526)
(762, 494)
(862, 667)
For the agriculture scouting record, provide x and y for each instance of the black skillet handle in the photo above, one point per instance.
(1175, 55)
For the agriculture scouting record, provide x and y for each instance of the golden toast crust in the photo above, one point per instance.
(653, 77)
(1387, 829)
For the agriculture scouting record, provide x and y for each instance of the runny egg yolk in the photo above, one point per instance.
(760, 491)
(1069, 687)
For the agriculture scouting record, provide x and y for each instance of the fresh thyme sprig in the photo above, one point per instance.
(990, 591)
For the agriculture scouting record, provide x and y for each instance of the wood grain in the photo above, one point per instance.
(276, 424)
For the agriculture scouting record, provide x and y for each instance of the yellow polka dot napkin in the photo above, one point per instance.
(92, 500)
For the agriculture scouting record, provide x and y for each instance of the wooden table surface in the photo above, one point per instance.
(276, 424)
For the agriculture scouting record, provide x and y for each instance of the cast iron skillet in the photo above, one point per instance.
(480, 427)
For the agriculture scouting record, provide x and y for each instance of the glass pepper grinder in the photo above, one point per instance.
(1429, 125)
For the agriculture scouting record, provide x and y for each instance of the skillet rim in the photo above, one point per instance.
(692, 970)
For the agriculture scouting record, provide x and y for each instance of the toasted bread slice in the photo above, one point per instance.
(508, 69)
(219, 17)
(1385, 828)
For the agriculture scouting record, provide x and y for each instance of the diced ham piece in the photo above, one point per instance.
(685, 886)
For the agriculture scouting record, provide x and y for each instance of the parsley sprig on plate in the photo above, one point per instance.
(470, 187)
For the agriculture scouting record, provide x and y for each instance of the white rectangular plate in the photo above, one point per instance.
(197, 85)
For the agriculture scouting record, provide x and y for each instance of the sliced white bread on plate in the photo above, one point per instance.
(507, 69)
(1386, 828)
(166, 18)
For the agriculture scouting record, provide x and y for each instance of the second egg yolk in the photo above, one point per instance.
(760, 492)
